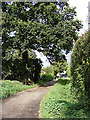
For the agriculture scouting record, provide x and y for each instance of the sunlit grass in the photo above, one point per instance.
(9, 88)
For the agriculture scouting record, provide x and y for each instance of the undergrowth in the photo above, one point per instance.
(60, 103)
(9, 88)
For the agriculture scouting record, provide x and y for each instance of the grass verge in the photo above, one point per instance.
(12, 87)
(60, 103)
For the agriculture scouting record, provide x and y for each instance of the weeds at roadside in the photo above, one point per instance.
(9, 88)
(60, 103)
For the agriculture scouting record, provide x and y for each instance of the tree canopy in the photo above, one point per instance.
(47, 27)
(41, 26)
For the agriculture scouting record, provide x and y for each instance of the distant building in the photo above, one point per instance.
(89, 15)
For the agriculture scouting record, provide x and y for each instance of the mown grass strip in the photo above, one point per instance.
(9, 88)
(60, 103)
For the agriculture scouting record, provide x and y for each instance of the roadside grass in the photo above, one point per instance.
(60, 103)
(9, 88)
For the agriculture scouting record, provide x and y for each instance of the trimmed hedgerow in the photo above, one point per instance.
(80, 66)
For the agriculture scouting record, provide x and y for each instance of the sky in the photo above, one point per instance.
(82, 14)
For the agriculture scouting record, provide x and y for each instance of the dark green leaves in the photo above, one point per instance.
(80, 69)
(41, 26)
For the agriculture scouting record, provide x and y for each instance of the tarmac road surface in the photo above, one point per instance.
(25, 104)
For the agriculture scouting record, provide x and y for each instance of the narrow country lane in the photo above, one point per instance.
(24, 104)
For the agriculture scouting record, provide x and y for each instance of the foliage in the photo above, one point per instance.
(56, 67)
(28, 26)
(39, 26)
(12, 87)
(68, 72)
(80, 66)
(59, 67)
(49, 69)
(25, 69)
(60, 103)
(47, 77)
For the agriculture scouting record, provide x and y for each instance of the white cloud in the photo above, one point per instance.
(43, 58)
(82, 12)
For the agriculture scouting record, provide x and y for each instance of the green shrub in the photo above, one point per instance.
(52, 74)
(47, 77)
(80, 66)
(63, 81)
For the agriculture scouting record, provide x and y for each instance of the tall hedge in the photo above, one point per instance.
(80, 66)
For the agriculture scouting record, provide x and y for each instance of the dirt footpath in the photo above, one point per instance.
(24, 104)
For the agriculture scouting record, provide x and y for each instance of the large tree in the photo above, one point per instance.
(40, 26)
(45, 27)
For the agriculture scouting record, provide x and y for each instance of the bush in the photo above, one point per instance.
(52, 74)
(80, 66)
(47, 77)
(63, 81)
